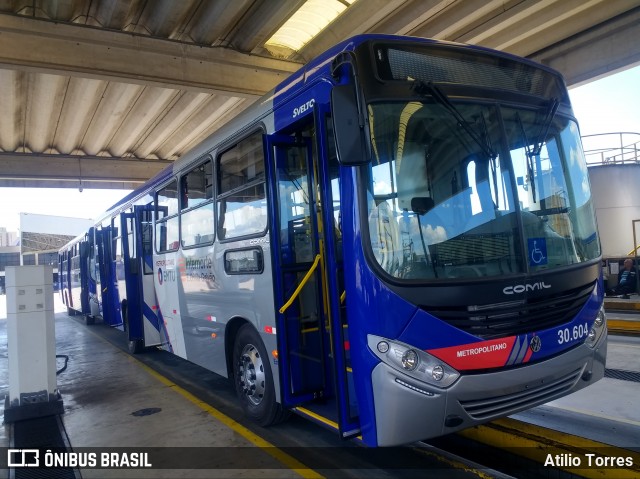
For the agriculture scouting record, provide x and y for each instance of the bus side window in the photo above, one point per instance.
(166, 210)
(242, 196)
(197, 206)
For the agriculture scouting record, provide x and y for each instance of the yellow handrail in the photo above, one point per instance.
(301, 285)
(633, 250)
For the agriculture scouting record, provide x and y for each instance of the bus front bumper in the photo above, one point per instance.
(407, 410)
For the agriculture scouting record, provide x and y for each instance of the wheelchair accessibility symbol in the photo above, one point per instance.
(537, 251)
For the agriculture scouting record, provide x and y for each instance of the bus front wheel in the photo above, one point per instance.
(254, 380)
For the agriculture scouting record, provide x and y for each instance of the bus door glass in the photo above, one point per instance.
(109, 285)
(300, 324)
(307, 271)
(144, 246)
(328, 175)
(84, 274)
(128, 267)
(94, 276)
(101, 276)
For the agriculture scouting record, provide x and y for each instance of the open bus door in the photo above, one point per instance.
(312, 354)
(84, 276)
(111, 313)
(138, 269)
(101, 280)
(132, 312)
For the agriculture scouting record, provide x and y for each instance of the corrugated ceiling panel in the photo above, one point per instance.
(144, 111)
(199, 123)
(175, 114)
(236, 106)
(81, 99)
(112, 109)
(12, 101)
(45, 96)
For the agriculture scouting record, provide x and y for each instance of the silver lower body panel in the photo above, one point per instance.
(407, 410)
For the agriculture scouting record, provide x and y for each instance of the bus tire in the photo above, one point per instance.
(253, 379)
(134, 346)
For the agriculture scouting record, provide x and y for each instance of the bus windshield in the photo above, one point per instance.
(467, 190)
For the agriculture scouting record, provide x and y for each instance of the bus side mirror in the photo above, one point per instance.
(349, 135)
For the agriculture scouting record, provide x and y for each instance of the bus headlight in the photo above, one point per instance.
(409, 360)
(413, 362)
(599, 327)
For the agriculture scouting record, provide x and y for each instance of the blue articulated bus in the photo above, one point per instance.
(398, 241)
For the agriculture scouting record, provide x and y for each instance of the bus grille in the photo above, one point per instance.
(515, 317)
(502, 405)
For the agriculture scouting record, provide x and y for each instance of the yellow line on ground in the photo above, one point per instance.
(541, 444)
(453, 463)
(598, 415)
(250, 436)
(269, 448)
(612, 305)
(622, 325)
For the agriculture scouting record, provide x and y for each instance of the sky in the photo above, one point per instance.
(611, 104)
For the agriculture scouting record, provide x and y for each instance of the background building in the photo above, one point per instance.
(38, 242)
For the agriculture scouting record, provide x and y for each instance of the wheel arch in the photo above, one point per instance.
(230, 333)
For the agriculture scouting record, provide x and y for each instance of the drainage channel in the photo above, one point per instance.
(623, 375)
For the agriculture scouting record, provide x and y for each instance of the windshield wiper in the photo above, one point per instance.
(535, 152)
(546, 124)
(422, 88)
(529, 154)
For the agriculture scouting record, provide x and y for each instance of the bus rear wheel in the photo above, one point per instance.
(254, 380)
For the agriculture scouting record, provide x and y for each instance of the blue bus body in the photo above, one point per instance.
(397, 241)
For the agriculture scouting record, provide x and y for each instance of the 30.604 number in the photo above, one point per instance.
(567, 335)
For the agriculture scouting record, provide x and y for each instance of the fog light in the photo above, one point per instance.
(409, 360)
(437, 373)
(383, 346)
(592, 335)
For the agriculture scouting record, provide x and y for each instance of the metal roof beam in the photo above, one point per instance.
(597, 52)
(44, 46)
(25, 166)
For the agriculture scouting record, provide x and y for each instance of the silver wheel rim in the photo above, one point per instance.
(251, 374)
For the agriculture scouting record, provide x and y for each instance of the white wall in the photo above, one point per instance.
(616, 197)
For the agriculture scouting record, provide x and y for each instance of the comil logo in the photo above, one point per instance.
(522, 288)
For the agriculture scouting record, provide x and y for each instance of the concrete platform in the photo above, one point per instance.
(113, 400)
